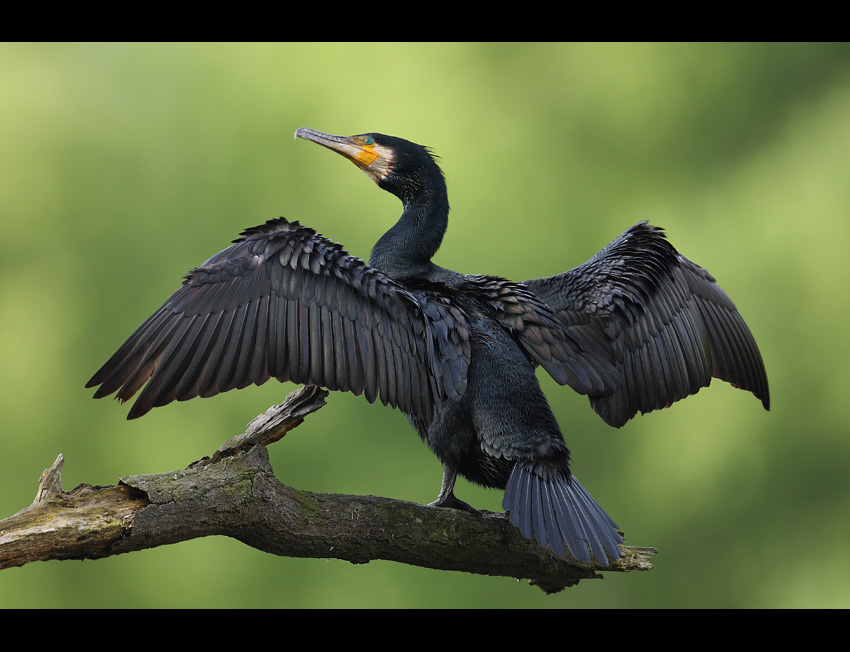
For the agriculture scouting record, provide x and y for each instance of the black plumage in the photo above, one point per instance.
(635, 328)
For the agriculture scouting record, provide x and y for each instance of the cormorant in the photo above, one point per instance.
(635, 328)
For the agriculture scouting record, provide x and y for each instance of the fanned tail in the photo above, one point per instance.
(556, 510)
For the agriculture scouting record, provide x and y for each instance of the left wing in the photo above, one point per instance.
(661, 320)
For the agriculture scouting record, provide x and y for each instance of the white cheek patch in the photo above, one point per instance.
(380, 168)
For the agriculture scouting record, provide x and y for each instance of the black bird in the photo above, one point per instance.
(635, 328)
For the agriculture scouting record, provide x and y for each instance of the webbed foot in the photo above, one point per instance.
(447, 497)
(455, 503)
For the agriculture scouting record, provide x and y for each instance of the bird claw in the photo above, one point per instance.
(454, 503)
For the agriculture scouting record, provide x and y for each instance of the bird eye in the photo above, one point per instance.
(369, 140)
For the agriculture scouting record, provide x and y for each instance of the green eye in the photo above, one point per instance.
(369, 140)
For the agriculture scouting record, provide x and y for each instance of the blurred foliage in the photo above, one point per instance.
(124, 165)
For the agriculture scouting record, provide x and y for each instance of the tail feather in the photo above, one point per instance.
(519, 486)
(542, 528)
(556, 542)
(557, 510)
(566, 513)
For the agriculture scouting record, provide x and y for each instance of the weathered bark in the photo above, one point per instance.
(235, 493)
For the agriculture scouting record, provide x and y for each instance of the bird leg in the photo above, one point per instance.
(447, 496)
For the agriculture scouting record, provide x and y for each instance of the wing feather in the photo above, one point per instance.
(659, 319)
(285, 302)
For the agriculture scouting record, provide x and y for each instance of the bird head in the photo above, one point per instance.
(396, 165)
(369, 152)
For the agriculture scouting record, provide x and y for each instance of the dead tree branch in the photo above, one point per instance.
(235, 493)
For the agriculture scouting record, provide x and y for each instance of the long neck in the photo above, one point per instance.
(407, 248)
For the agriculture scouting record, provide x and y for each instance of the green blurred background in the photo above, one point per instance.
(122, 166)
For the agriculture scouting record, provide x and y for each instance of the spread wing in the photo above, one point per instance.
(660, 319)
(283, 302)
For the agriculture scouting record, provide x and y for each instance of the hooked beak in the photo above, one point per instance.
(374, 160)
